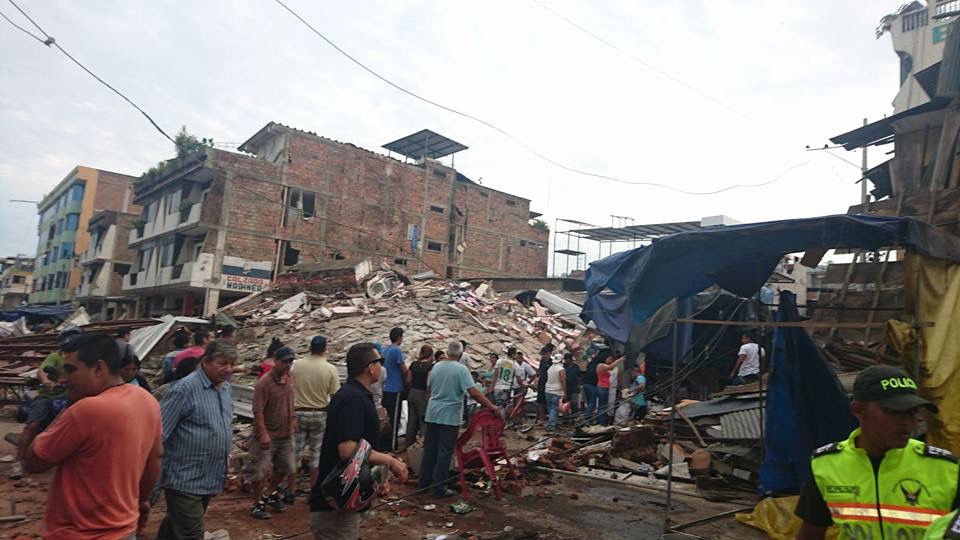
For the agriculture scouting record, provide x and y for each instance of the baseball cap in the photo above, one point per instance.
(67, 335)
(890, 387)
(285, 353)
(318, 342)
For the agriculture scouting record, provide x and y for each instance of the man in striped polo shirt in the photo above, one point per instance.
(197, 435)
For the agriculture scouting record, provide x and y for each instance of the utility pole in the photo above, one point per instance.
(864, 198)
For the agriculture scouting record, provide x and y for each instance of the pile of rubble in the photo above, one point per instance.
(431, 311)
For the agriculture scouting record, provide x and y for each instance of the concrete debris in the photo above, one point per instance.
(431, 311)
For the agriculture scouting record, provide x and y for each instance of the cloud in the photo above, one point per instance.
(800, 71)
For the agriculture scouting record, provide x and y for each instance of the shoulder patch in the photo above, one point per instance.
(826, 449)
(937, 452)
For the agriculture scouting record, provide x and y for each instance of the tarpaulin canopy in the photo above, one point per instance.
(806, 405)
(46, 312)
(740, 258)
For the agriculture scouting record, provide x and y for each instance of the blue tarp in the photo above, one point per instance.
(806, 406)
(58, 313)
(738, 258)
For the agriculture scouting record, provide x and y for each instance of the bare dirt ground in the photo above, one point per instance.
(560, 508)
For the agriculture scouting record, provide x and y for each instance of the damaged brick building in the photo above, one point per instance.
(218, 225)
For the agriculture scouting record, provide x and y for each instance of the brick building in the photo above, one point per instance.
(64, 214)
(220, 225)
(104, 263)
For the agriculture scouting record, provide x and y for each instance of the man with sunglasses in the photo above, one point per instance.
(879, 483)
(351, 416)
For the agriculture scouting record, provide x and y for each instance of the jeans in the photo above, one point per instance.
(416, 410)
(603, 402)
(590, 392)
(553, 403)
(573, 398)
(438, 444)
(744, 379)
(184, 519)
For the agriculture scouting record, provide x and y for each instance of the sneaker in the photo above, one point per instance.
(445, 494)
(289, 497)
(259, 511)
(274, 502)
(16, 471)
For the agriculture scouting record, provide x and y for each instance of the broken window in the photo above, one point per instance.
(437, 209)
(434, 246)
(301, 203)
(439, 174)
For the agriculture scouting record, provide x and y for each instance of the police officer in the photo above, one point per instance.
(879, 484)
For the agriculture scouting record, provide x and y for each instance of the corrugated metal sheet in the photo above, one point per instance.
(718, 407)
(740, 425)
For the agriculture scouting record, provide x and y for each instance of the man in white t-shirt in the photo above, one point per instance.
(747, 368)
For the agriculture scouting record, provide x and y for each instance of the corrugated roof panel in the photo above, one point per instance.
(740, 425)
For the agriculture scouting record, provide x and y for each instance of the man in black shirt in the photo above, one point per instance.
(351, 416)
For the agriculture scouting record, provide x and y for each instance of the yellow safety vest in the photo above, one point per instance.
(915, 485)
(944, 528)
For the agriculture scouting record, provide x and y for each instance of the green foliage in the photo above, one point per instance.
(138, 223)
(187, 144)
(185, 206)
(540, 224)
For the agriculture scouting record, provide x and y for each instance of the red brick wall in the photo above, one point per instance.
(369, 201)
(121, 250)
(112, 190)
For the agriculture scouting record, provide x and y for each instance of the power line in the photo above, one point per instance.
(22, 29)
(642, 62)
(516, 140)
(51, 41)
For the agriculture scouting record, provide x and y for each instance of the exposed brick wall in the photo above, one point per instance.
(112, 190)
(122, 251)
(369, 201)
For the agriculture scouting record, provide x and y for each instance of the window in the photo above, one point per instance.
(76, 192)
(172, 200)
(437, 209)
(73, 220)
(46, 258)
(60, 225)
(143, 259)
(66, 250)
(54, 254)
(434, 246)
(150, 213)
(63, 200)
(18, 279)
(402, 262)
(166, 252)
(511, 202)
(305, 201)
(439, 174)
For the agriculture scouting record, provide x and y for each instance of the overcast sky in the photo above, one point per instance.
(796, 73)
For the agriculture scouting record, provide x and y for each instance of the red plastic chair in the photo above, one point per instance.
(491, 448)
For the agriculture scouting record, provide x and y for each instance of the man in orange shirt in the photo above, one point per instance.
(106, 446)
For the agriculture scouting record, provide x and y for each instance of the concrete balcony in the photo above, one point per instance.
(166, 223)
(190, 274)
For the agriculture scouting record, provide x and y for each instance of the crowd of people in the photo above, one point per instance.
(118, 447)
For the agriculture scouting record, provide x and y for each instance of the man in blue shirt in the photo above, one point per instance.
(393, 387)
(449, 382)
(180, 341)
(197, 435)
